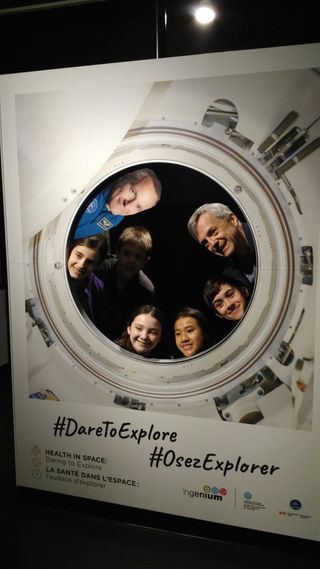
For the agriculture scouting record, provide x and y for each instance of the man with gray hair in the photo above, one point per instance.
(219, 230)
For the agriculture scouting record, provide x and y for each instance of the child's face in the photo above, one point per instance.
(230, 302)
(82, 261)
(131, 259)
(189, 336)
(133, 198)
(145, 333)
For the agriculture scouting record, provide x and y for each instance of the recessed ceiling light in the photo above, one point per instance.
(205, 14)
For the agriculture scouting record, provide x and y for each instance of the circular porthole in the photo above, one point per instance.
(197, 169)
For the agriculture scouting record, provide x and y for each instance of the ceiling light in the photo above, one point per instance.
(205, 14)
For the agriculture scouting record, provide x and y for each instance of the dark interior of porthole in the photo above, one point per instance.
(179, 266)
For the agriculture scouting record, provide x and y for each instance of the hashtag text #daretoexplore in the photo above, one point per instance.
(68, 427)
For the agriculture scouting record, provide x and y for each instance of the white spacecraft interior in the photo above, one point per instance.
(255, 139)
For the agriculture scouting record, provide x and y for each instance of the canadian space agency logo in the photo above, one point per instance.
(295, 504)
(297, 510)
(93, 206)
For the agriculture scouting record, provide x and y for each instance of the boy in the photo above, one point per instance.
(126, 286)
(227, 297)
(131, 193)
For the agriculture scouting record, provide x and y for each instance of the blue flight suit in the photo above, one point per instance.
(97, 218)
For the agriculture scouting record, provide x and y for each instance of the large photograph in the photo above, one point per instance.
(185, 257)
(164, 264)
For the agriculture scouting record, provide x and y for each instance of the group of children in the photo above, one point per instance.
(119, 298)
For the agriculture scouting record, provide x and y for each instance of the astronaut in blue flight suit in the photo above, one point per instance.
(130, 194)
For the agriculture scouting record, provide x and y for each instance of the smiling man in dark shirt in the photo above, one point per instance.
(218, 229)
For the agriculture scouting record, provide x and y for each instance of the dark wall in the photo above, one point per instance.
(99, 32)
(106, 31)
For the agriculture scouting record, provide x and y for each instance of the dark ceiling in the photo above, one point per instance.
(45, 35)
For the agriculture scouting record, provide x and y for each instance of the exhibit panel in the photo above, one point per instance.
(240, 415)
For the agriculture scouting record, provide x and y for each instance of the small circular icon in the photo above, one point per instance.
(36, 474)
(248, 495)
(93, 206)
(295, 504)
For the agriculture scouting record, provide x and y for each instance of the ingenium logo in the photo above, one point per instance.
(208, 493)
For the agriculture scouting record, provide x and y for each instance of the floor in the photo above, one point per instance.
(45, 532)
